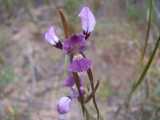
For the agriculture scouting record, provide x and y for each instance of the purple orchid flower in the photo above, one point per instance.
(52, 38)
(75, 44)
(79, 65)
(88, 20)
(64, 105)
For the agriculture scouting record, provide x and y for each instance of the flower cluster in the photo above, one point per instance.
(74, 46)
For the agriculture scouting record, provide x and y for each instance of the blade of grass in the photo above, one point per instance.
(149, 19)
(146, 68)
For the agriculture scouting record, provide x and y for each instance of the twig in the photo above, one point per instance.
(77, 81)
(90, 75)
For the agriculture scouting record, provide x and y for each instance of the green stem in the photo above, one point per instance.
(148, 31)
(146, 68)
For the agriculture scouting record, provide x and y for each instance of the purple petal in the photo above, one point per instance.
(75, 43)
(79, 65)
(88, 20)
(75, 93)
(51, 36)
(69, 82)
(64, 105)
(82, 91)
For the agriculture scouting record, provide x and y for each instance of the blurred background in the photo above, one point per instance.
(32, 71)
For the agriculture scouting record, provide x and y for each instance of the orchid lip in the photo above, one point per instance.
(76, 43)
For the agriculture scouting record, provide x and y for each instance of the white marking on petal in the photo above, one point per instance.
(51, 36)
(87, 19)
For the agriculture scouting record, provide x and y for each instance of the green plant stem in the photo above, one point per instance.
(146, 68)
(148, 31)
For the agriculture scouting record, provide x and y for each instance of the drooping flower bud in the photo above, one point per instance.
(64, 105)
(88, 20)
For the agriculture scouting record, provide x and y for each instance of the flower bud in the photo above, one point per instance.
(64, 105)
(51, 36)
(88, 20)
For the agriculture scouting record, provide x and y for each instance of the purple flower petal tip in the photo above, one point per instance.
(75, 93)
(69, 82)
(64, 105)
(88, 20)
(51, 36)
(82, 91)
(75, 43)
(79, 65)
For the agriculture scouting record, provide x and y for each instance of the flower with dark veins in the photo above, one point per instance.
(75, 44)
(88, 20)
(64, 105)
(52, 38)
